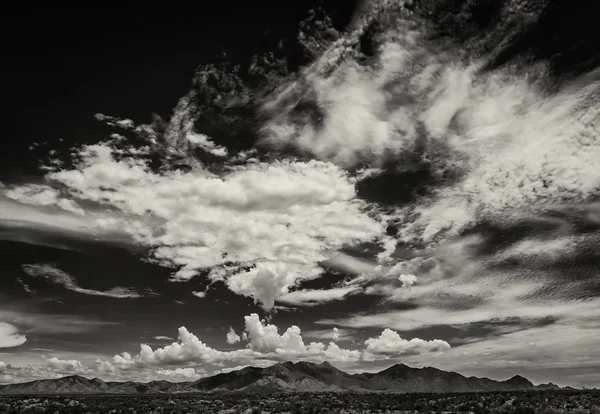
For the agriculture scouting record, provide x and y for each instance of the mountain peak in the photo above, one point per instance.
(78, 378)
(287, 377)
(519, 380)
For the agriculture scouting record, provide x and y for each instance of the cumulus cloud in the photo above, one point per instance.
(232, 337)
(182, 374)
(407, 280)
(335, 336)
(260, 227)
(54, 275)
(61, 365)
(51, 368)
(265, 345)
(390, 344)
(10, 336)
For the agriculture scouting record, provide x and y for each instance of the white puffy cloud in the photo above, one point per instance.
(336, 335)
(182, 374)
(265, 337)
(265, 346)
(54, 275)
(390, 344)
(62, 365)
(232, 337)
(50, 368)
(407, 280)
(10, 336)
(261, 227)
(189, 358)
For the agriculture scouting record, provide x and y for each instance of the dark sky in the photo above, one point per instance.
(64, 65)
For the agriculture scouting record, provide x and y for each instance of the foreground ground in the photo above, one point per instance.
(542, 402)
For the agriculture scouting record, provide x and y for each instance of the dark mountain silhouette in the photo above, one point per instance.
(288, 377)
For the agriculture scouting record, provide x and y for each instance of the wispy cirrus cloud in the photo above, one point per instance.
(40, 323)
(163, 338)
(313, 297)
(55, 275)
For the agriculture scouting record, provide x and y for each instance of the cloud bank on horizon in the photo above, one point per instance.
(494, 240)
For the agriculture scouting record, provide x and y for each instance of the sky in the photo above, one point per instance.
(364, 183)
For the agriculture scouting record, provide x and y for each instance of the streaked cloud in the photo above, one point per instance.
(54, 275)
(315, 297)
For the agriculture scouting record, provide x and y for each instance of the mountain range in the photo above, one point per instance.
(288, 377)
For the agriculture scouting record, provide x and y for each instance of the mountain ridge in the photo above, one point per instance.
(288, 376)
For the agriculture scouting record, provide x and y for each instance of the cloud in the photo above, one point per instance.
(10, 336)
(510, 142)
(48, 323)
(70, 366)
(99, 227)
(260, 227)
(163, 338)
(204, 142)
(390, 344)
(368, 113)
(315, 297)
(265, 345)
(407, 280)
(54, 275)
(495, 309)
(115, 121)
(51, 368)
(42, 195)
(182, 374)
(232, 337)
(557, 352)
(335, 335)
